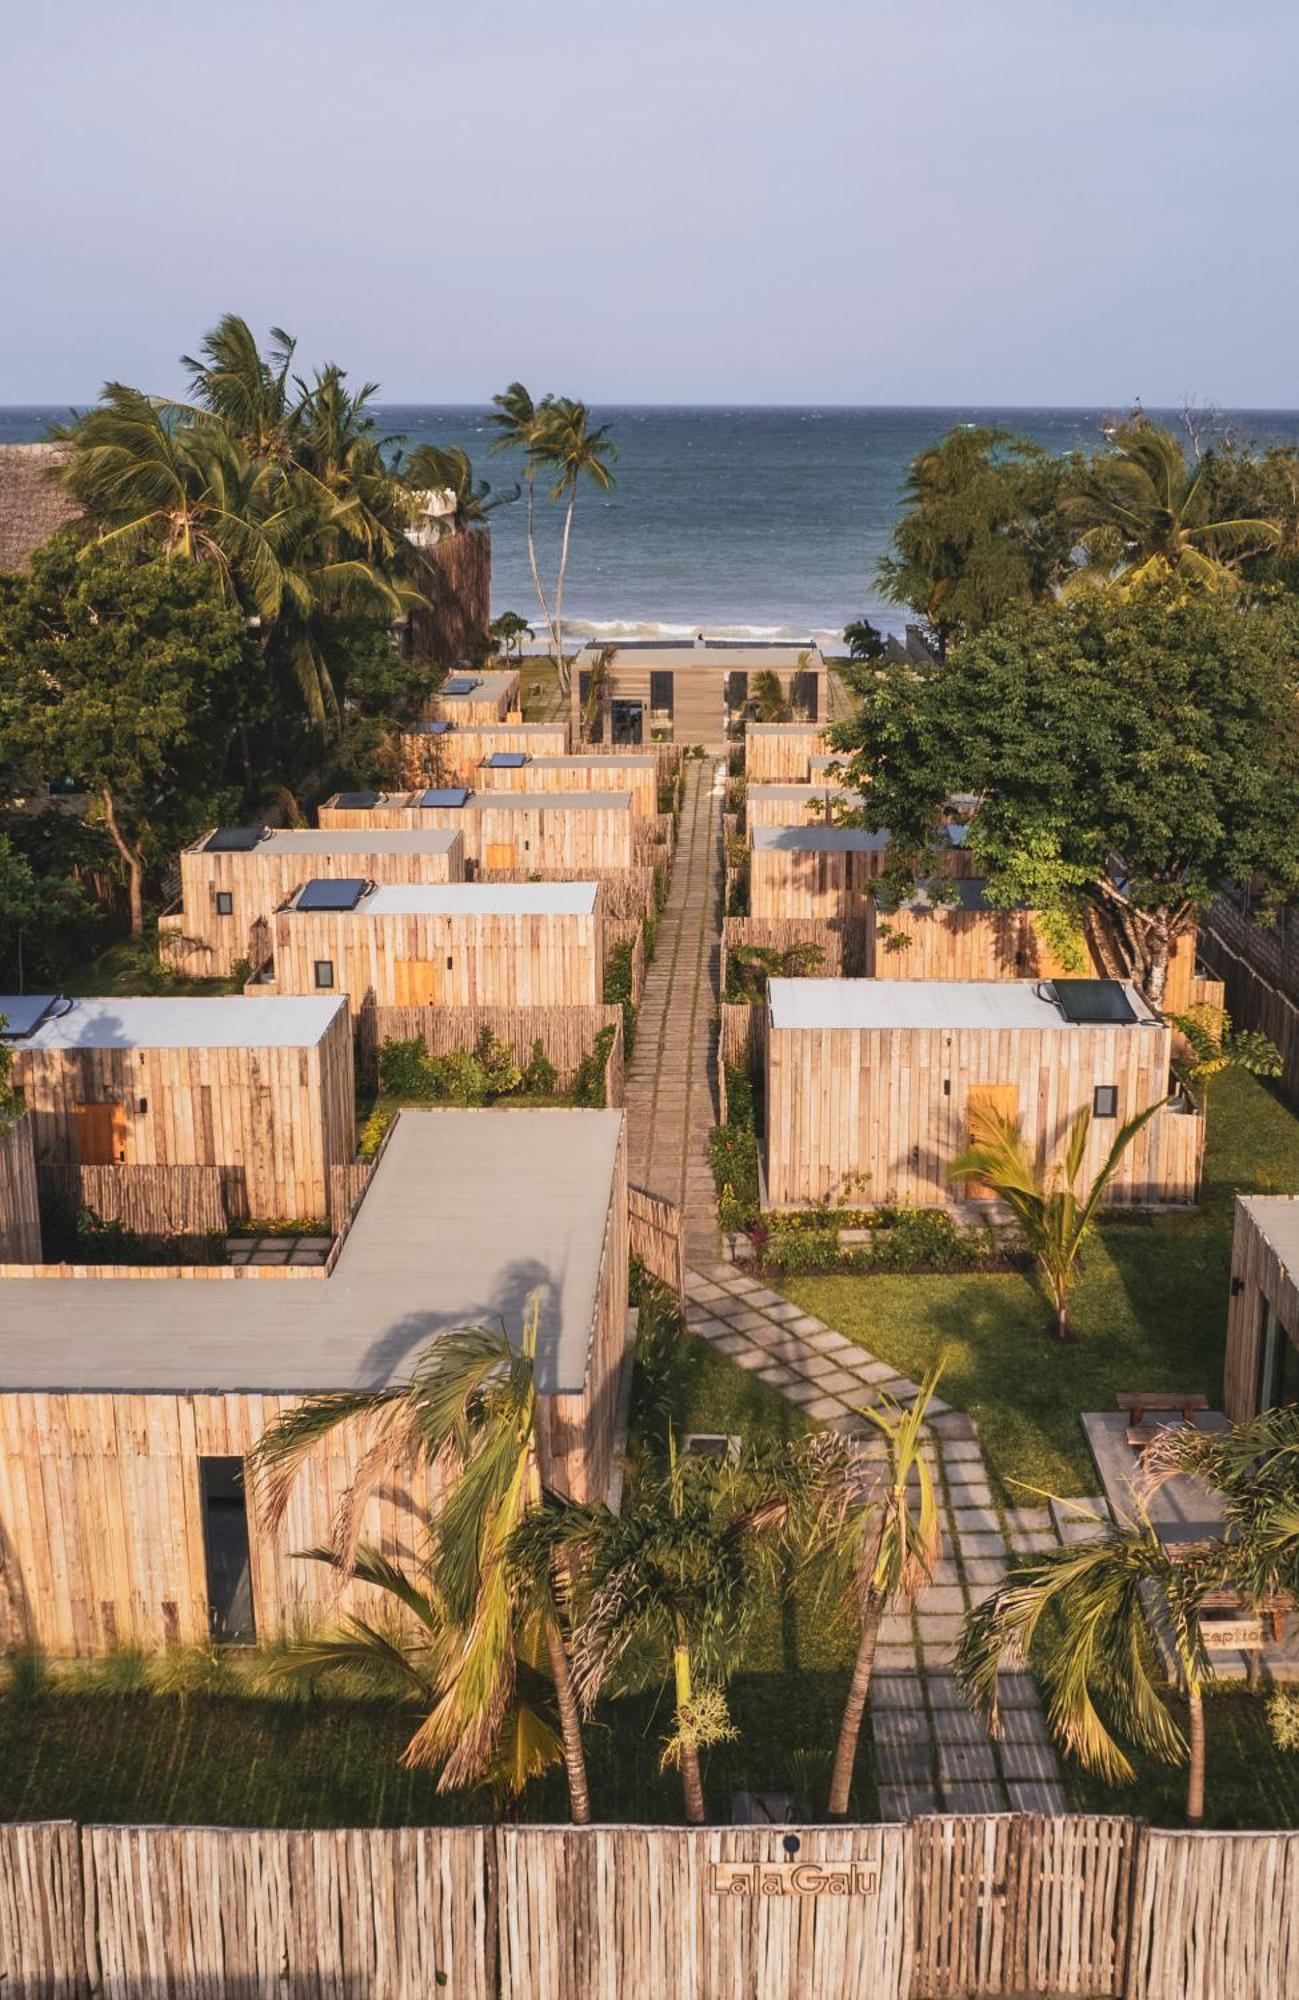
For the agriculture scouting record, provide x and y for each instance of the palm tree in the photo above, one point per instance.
(247, 391)
(767, 701)
(434, 468)
(509, 631)
(1054, 1219)
(598, 682)
(519, 424)
(574, 451)
(1078, 1617)
(883, 1538)
(1144, 518)
(675, 1579)
(1253, 1467)
(1217, 1046)
(469, 1410)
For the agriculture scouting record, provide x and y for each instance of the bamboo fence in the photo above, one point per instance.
(20, 1221)
(937, 1908)
(654, 1234)
(186, 1202)
(1254, 1002)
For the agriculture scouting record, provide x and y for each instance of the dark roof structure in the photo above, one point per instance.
(32, 503)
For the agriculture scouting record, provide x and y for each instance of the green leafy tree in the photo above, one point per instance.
(470, 1410)
(123, 675)
(982, 533)
(1145, 519)
(1217, 1046)
(1078, 1617)
(509, 631)
(1118, 763)
(1055, 1218)
(863, 640)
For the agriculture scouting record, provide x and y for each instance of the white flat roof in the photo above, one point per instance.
(358, 840)
(530, 801)
(575, 762)
(467, 1216)
(812, 791)
(478, 899)
(856, 1004)
(1276, 1217)
(822, 839)
(227, 1021)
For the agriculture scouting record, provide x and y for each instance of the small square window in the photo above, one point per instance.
(1105, 1101)
(225, 903)
(325, 972)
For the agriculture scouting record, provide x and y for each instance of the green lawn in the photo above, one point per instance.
(132, 969)
(1150, 1310)
(1248, 1781)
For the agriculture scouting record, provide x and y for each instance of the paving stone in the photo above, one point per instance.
(955, 1424)
(985, 1569)
(895, 1630)
(733, 1343)
(903, 1763)
(1029, 1520)
(776, 1376)
(982, 1545)
(824, 1408)
(1024, 1726)
(784, 1312)
(836, 1383)
(964, 1472)
(744, 1286)
(747, 1322)
(938, 1625)
(1048, 1799)
(957, 1451)
(895, 1657)
(1036, 1544)
(767, 1335)
(942, 1597)
(966, 1763)
(832, 1343)
(901, 1725)
(959, 1725)
(1029, 1760)
(896, 1691)
(937, 1654)
(1017, 1691)
(979, 1798)
(702, 1290)
(805, 1324)
(945, 1573)
(762, 1297)
(750, 1357)
(976, 1521)
(899, 1802)
(807, 1392)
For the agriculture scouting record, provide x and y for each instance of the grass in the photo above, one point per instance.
(1249, 1782)
(1150, 1310)
(132, 968)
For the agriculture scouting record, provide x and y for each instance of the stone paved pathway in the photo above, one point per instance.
(931, 1752)
(671, 1080)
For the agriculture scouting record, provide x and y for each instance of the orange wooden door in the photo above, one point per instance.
(415, 982)
(1000, 1099)
(500, 854)
(101, 1134)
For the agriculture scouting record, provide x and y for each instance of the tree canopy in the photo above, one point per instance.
(1122, 760)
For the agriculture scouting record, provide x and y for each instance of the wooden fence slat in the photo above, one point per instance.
(655, 1237)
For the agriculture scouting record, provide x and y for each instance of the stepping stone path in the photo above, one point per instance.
(931, 1753)
(671, 1079)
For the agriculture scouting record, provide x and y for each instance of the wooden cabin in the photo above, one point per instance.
(509, 833)
(968, 939)
(470, 698)
(20, 1215)
(813, 871)
(232, 879)
(468, 944)
(130, 1401)
(509, 771)
(782, 753)
(450, 753)
(870, 1085)
(259, 1087)
(797, 805)
(1262, 1364)
(688, 690)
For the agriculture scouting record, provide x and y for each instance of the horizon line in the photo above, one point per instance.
(939, 409)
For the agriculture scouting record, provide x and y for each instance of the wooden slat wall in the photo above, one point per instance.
(210, 946)
(627, 894)
(637, 775)
(482, 708)
(656, 1237)
(567, 1034)
(844, 941)
(20, 1216)
(43, 1942)
(1262, 1276)
(454, 757)
(570, 832)
(576, 1432)
(841, 1104)
(198, 1912)
(506, 959)
(1215, 1917)
(280, 1116)
(806, 882)
(791, 805)
(781, 753)
(1254, 1002)
(152, 1201)
(699, 697)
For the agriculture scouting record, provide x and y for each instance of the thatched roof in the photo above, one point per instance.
(32, 504)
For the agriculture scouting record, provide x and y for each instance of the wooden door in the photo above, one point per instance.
(500, 854)
(101, 1134)
(415, 982)
(1002, 1100)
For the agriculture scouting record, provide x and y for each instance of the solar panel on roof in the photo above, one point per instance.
(343, 894)
(22, 1013)
(460, 684)
(434, 728)
(447, 795)
(357, 801)
(1098, 1002)
(507, 760)
(234, 839)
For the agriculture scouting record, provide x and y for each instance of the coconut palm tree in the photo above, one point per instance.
(1253, 1467)
(1078, 1617)
(1054, 1218)
(469, 1410)
(433, 468)
(1145, 522)
(509, 631)
(519, 424)
(675, 1579)
(574, 451)
(247, 391)
(767, 700)
(599, 679)
(882, 1537)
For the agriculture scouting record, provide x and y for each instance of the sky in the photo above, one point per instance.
(703, 201)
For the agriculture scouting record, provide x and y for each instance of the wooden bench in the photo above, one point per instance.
(1139, 1404)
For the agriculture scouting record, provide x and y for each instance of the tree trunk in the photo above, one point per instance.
(538, 585)
(1158, 945)
(560, 662)
(1195, 1767)
(1062, 1328)
(854, 1708)
(570, 1726)
(692, 1785)
(134, 865)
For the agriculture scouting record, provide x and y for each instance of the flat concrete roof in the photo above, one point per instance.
(474, 899)
(1275, 1216)
(488, 686)
(812, 791)
(856, 1004)
(701, 651)
(508, 801)
(822, 839)
(574, 762)
(468, 1214)
(228, 1021)
(354, 840)
(970, 895)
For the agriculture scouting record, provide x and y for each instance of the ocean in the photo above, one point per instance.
(750, 522)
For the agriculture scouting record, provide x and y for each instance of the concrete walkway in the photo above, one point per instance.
(671, 1080)
(931, 1753)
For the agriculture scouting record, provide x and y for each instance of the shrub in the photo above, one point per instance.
(375, 1130)
(459, 1078)
(496, 1060)
(540, 1077)
(405, 1071)
(589, 1083)
(617, 990)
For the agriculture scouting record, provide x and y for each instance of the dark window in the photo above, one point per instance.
(324, 972)
(1278, 1362)
(225, 903)
(662, 685)
(802, 696)
(225, 1537)
(1105, 1101)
